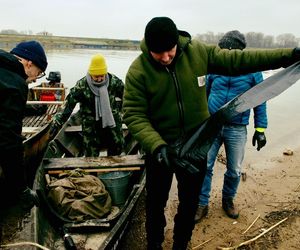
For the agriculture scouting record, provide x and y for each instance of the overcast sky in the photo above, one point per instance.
(126, 19)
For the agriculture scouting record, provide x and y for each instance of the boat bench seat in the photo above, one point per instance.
(31, 130)
(73, 129)
(105, 163)
(79, 128)
(45, 102)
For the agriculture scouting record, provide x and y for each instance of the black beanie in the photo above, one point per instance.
(161, 34)
(32, 51)
(233, 40)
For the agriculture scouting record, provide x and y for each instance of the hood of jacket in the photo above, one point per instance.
(11, 63)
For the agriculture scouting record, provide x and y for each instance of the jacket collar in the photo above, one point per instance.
(11, 63)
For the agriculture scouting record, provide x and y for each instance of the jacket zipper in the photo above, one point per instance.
(179, 100)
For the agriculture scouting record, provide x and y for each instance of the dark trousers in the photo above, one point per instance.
(95, 138)
(13, 180)
(158, 184)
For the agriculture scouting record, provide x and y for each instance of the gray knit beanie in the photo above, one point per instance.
(233, 40)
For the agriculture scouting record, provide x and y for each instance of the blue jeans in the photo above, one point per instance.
(234, 138)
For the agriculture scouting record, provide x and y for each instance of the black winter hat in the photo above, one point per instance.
(233, 40)
(33, 51)
(161, 34)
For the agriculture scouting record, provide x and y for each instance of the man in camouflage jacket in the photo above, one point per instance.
(95, 135)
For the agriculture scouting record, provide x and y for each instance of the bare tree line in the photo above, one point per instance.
(253, 39)
(256, 39)
(23, 32)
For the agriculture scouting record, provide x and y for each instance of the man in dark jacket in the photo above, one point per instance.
(24, 64)
(164, 98)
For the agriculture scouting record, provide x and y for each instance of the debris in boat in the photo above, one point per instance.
(79, 196)
(48, 179)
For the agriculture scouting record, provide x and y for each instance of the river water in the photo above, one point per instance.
(283, 111)
(73, 64)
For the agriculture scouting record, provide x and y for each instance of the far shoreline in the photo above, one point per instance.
(60, 42)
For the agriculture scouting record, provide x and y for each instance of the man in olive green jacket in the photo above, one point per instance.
(165, 98)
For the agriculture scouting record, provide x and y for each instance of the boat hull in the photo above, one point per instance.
(48, 228)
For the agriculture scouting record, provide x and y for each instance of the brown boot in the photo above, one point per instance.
(229, 208)
(202, 211)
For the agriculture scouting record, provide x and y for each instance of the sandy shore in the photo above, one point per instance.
(270, 193)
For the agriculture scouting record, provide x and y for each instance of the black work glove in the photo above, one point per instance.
(186, 165)
(54, 128)
(164, 154)
(260, 138)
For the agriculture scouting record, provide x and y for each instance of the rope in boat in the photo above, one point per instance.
(25, 243)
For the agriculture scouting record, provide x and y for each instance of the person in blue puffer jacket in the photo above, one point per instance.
(220, 90)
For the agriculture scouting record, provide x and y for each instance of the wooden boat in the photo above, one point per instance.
(64, 153)
(38, 115)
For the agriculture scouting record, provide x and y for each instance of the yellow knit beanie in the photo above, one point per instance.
(97, 65)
